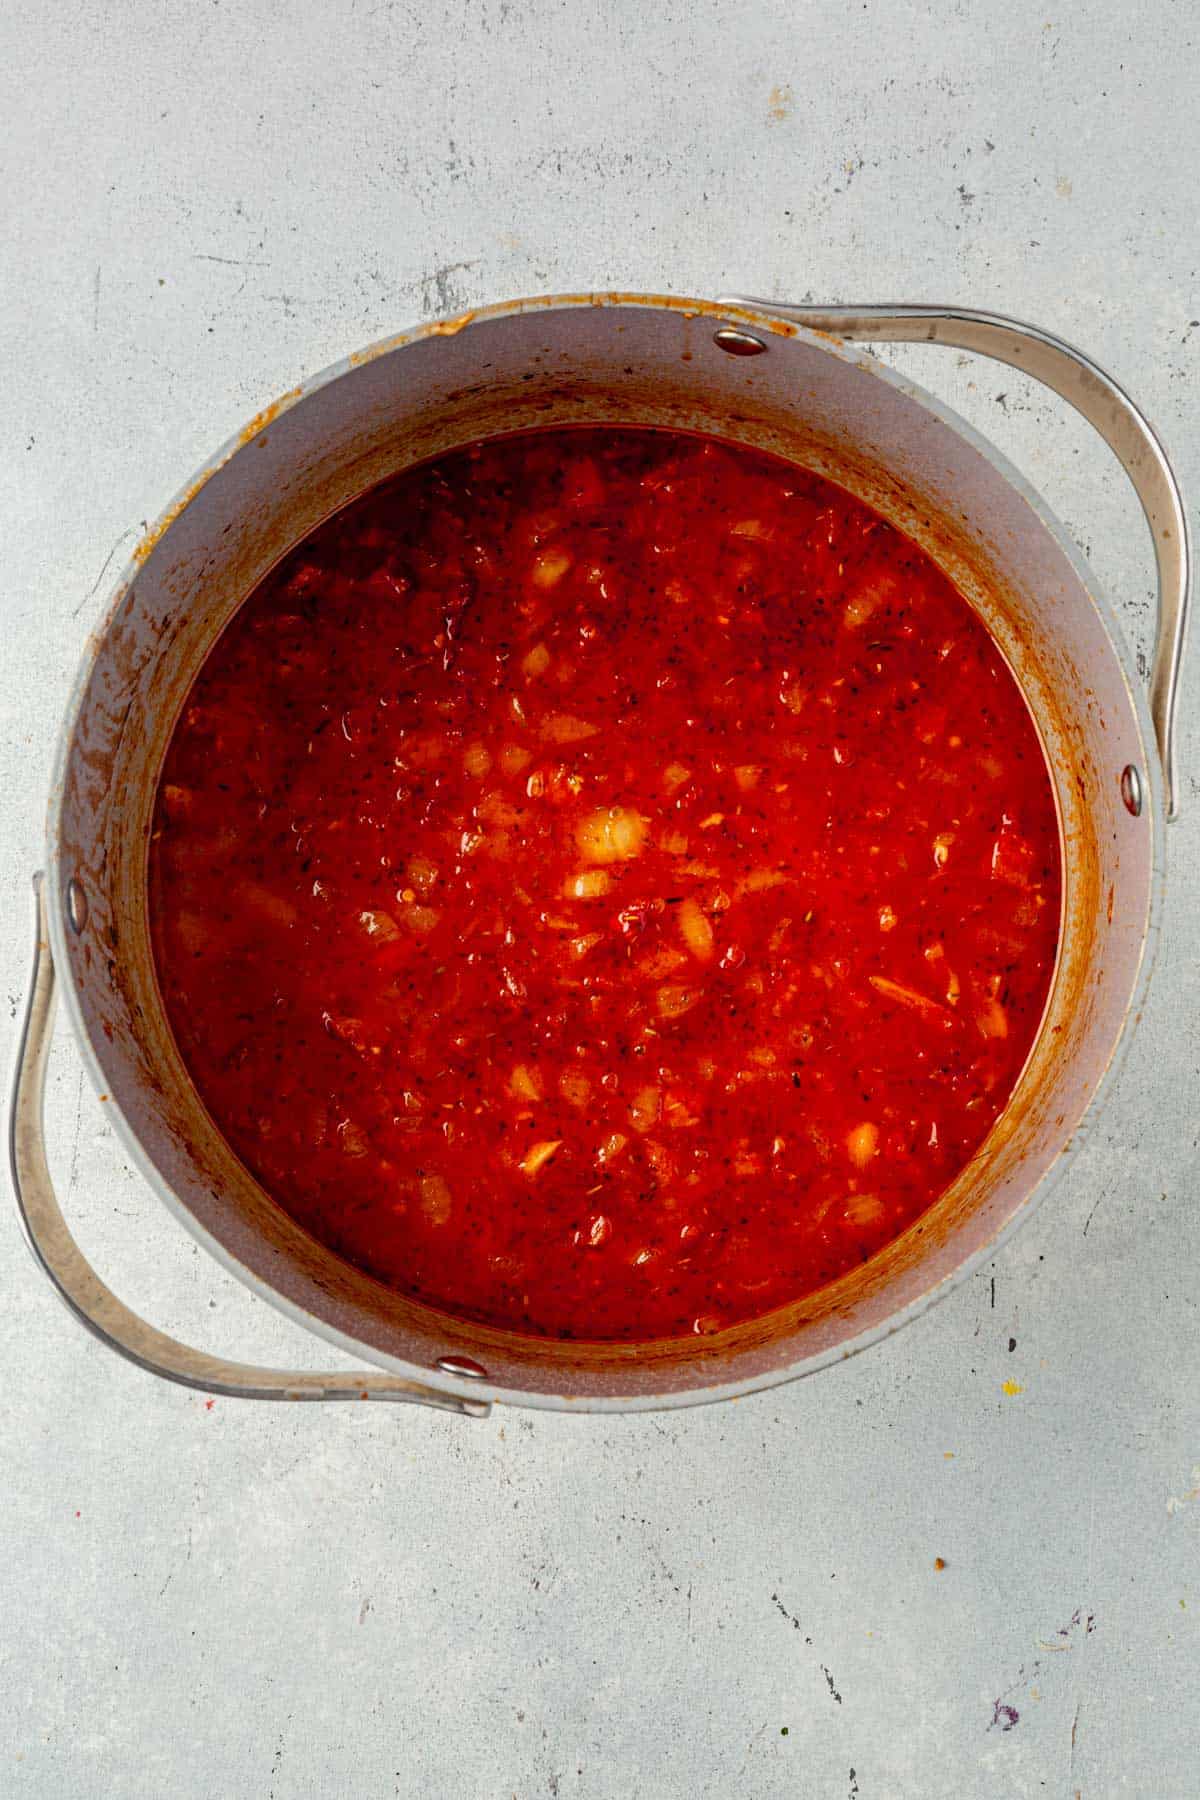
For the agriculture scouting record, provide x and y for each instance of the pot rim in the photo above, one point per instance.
(754, 319)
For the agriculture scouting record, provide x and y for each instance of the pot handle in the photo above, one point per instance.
(78, 1285)
(1103, 403)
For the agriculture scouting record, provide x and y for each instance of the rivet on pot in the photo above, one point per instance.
(463, 1366)
(738, 343)
(77, 906)
(1131, 789)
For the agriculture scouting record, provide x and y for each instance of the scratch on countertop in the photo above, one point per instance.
(1074, 1735)
(130, 531)
(1092, 1214)
(440, 292)
(1005, 1715)
(829, 1681)
(750, 1750)
(795, 1624)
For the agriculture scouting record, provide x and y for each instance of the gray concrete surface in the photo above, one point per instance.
(203, 202)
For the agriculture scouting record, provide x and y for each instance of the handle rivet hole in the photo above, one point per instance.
(77, 906)
(1131, 790)
(738, 343)
(463, 1366)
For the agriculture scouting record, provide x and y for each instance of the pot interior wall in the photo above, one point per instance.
(650, 362)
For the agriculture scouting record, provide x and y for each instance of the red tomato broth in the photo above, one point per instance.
(605, 883)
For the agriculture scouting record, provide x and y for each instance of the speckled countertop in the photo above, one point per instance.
(205, 202)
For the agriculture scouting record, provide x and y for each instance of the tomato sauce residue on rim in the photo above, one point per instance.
(605, 883)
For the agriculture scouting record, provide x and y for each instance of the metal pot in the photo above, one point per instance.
(785, 380)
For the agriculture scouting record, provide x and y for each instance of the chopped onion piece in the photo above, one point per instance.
(525, 1083)
(758, 881)
(611, 1147)
(513, 758)
(862, 1143)
(538, 1155)
(494, 809)
(941, 848)
(643, 1113)
(864, 1209)
(610, 834)
(674, 843)
(574, 1087)
(352, 1032)
(565, 728)
(992, 1020)
(423, 874)
(589, 884)
(549, 567)
(436, 1199)
(673, 1001)
(888, 918)
(872, 593)
(477, 760)
(663, 961)
(176, 801)
(352, 1139)
(380, 927)
(660, 1160)
(599, 1231)
(747, 776)
(697, 932)
(536, 661)
(677, 1115)
(675, 776)
(906, 996)
(421, 919)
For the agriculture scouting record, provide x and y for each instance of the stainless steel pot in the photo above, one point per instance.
(787, 380)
